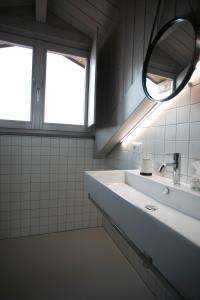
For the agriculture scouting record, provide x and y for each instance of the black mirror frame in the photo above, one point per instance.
(149, 53)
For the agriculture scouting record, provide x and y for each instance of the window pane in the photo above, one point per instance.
(65, 89)
(15, 82)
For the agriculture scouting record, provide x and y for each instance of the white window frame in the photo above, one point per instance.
(37, 124)
(21, 41)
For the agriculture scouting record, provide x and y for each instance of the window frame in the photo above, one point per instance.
(37, 124)
(21, 41)
(65, 50)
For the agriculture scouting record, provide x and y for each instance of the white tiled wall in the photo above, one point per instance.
(42, 185)
(174, 127)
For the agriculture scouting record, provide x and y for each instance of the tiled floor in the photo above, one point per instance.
(74, 265)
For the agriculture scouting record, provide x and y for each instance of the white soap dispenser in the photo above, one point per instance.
(146, 167)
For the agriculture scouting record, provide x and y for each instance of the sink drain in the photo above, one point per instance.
(151, 207)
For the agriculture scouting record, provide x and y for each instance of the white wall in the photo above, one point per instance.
(42, 185)
(174, 127)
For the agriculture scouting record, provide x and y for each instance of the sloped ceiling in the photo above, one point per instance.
(84, 15)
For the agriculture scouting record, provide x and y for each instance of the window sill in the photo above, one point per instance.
(84, 133)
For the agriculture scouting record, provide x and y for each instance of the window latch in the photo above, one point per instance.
(38, 94)
(38, 89)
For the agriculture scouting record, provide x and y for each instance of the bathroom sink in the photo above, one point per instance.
(161, 219)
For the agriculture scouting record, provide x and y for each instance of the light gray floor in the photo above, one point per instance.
(75, 265)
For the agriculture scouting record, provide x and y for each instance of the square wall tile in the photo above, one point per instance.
(170, 132)
(183, 114)
(195, 131)
(195, 94)
(182, 147)
(171, 116)
(194, 149)
(195, 113)
(170, 146)
(182, 133)
(183, 98)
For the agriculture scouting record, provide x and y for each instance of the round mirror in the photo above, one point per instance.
(170, 60)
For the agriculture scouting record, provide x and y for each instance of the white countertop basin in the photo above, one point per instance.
(170, 235)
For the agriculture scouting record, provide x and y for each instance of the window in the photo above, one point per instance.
(15, 82)
(43, 87)
(65, 89)
(159, 87)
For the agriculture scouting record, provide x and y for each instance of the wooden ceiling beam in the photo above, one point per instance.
(41, 11)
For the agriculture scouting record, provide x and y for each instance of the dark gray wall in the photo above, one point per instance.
(120, 97)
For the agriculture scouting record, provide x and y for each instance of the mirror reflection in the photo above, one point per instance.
(170, 60)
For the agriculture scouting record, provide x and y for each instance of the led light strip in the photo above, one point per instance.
(129, 136)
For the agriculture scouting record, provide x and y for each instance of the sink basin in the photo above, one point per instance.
(161, 219)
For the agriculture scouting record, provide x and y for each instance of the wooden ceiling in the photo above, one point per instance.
(84, 15)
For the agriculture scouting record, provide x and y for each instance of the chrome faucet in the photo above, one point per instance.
(176, 168)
